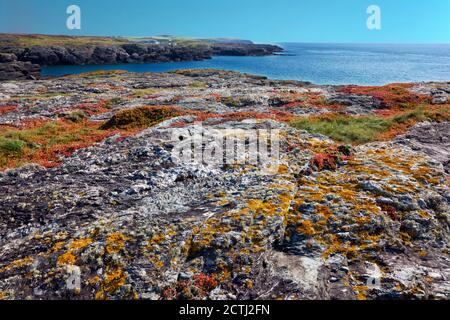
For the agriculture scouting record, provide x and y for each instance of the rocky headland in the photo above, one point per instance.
(22, 56)
(93, 205)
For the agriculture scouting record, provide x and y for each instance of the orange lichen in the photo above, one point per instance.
(80, 243)
(306, 228)
(361, 292)
(67, 258)
(17, 264)
(57, 246)
(115, 242)
(282, 169)
(113, 280)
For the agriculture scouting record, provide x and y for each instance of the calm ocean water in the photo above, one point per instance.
(363, 64)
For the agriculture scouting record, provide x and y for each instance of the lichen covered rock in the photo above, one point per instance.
(122, 218)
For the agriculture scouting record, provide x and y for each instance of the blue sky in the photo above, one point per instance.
(403, 21)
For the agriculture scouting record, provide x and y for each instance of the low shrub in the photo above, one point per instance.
(141, 117)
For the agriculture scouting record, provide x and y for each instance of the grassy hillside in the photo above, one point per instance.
(28, 40)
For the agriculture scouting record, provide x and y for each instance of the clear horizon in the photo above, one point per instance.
(284, 21)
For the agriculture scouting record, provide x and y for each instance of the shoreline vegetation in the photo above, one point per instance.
(385, 112)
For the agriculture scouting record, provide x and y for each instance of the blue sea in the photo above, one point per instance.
(361, 64)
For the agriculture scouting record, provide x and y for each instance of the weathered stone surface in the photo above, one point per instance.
(432, 139)
(126, 53)
(7, 57)
(364, 222)
(18, 70)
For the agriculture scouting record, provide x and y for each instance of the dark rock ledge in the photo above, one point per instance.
(18, 62)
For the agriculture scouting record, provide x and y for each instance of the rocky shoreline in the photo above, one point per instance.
(23, 61)
(89, 189)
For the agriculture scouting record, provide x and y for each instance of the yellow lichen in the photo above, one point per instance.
(115, 242)
(17, 264)
(282, 169)
(94, 280)
(80, 243)
(306, 228)
(67, 258)
(113, 281)
(58, 246)
(361, 292)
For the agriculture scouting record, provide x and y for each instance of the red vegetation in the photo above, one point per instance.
(205, 282)
(6, 109)
(331, 159)
(94, 108)
(392, 96)
(389, 210)
(324, 161)
(217, 97)
(197, 288)
(386, 113)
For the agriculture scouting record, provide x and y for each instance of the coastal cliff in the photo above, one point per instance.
(21, 56)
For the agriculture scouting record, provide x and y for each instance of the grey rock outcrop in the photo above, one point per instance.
(432, 139)
(19, 70)
(124, 53)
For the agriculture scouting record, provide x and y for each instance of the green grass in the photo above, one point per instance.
(344, 129)
(29, 40)
(198, 85)
(41, 143)
(50, 40)
(364, 129)
(10, 147)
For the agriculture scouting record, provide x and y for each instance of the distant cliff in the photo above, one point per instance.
(30, 52)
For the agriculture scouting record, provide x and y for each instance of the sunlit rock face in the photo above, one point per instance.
(94, 205)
